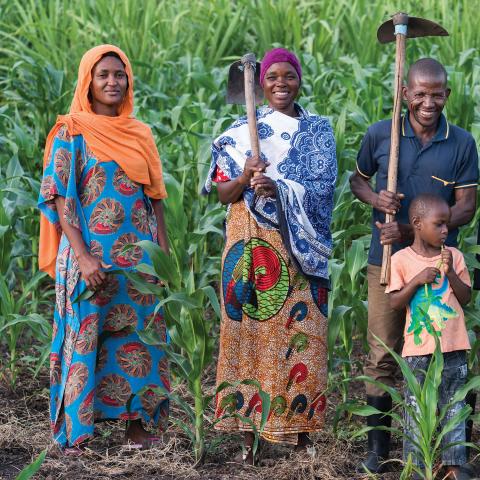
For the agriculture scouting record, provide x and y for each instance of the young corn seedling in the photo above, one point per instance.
(190, 332)
(191, 343)
(430, 421)
(18, 292)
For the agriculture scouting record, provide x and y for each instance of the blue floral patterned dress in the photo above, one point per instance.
(99, 368)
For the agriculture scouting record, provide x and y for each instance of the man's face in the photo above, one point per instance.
(426, 96)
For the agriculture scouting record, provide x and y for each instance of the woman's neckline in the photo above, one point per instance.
(298, 109)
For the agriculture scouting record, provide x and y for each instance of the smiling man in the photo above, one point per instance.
(435, 157)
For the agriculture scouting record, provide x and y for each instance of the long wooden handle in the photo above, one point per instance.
(394, 144)
(249, 73)
(248, 62)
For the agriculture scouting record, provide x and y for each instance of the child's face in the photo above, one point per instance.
(432, 227)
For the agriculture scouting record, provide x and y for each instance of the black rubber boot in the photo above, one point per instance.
(378, 440)
(468, 470)
(470, 399)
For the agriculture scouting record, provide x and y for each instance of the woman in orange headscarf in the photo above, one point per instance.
(102, 189)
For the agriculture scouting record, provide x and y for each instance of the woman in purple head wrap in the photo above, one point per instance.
(274, 266)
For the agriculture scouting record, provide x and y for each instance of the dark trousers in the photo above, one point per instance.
(453, 378)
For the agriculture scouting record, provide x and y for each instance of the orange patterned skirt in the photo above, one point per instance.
(273, 330)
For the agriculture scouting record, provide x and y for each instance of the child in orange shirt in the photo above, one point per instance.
(427, 277)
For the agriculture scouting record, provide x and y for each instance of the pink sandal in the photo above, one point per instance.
(148, 443)
(75, 451)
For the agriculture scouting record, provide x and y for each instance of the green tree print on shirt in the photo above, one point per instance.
(427, 309)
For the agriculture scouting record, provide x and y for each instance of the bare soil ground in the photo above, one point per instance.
(25, 432)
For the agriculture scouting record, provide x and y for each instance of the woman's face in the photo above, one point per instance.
(281, 85)
(108, 87)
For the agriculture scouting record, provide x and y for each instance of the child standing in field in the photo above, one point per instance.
(432, 282)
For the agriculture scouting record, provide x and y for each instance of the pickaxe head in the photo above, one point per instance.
(416, 27)
(236, 81)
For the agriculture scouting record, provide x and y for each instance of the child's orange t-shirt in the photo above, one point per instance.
(432, 307)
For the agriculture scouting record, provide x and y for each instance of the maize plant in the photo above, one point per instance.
(189, 329)
(347, 306)
(429, 419)
(30, 470)
(189, 314)
(20, 297)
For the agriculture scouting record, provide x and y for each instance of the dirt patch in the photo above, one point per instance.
(25, 432)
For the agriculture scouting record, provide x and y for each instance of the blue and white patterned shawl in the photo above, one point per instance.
(303, 164)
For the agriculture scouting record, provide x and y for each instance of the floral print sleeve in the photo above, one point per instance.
(61, 176)
(220, 176)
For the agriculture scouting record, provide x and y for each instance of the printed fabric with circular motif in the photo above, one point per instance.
(255, 280)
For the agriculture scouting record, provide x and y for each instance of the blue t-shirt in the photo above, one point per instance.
(448, 162)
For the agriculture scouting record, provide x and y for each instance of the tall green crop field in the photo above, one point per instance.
(180, 51)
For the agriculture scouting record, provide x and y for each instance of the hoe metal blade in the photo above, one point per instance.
(236, 84)
(417, 27)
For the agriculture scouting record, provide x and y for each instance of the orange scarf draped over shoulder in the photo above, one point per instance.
(122, 138)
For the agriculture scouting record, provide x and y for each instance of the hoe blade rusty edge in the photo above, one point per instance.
(236, 84)
(417, 27)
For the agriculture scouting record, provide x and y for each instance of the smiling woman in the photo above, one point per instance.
(275, 262)
(102, 189)
(109, 84)
(280, 87)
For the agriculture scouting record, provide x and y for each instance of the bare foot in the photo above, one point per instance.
(304, 442)
(246, 455)
(136, 434)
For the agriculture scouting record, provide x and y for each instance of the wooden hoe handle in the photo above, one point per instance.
(400, 21)
(249, 63)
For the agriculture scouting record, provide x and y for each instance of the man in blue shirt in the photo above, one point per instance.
(435, 157)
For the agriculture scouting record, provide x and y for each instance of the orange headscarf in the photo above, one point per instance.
(123, 138)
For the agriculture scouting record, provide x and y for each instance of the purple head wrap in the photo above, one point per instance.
(279, 55)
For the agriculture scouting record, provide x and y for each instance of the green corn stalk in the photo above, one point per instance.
(189, 328)
(266, 408)
(18, 298)
(431, 425)
(347, 320)
(184, 310)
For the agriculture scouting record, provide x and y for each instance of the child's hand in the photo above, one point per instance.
(447, 260)
(427, 275)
